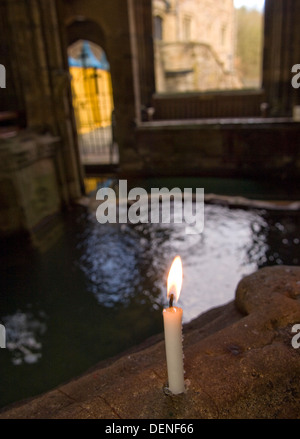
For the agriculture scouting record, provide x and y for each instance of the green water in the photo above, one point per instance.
(265, 189)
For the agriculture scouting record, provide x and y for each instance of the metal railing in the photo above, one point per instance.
(93, 107)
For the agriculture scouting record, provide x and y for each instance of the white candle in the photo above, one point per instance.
(173, 330)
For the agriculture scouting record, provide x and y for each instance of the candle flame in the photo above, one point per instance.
(175, 278)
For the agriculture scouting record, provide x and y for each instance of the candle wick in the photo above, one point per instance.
(171, 300)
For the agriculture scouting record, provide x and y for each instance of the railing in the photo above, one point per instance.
(231, 104)
(93, 106)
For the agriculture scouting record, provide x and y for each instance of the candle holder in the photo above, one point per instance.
(168, 392)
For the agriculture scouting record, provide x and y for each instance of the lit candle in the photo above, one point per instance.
(173, 330)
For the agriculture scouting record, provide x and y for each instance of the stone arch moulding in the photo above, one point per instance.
(86, 30)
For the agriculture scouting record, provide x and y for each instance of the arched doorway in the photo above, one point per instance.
(93, 103)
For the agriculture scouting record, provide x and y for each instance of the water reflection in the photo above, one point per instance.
(23, 334)
(281, 232)
(234, 243)
(133, 260)
(110, 262)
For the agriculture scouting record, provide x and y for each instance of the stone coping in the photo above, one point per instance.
(25, 148)
(221, 122)
(238, 201)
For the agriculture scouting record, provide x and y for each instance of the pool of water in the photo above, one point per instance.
(85, 292)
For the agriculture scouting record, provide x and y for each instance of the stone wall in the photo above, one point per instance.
(205, 21)
(29, 192)
(226, 148)
(11, 98)
(41, 83)
(190, 66)
(107, 24)
(182, 143)
(35, 44)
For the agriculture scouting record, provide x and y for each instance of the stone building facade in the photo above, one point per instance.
(194, 45)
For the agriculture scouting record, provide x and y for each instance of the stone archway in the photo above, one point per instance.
(93, 103)
(86, 29)
(119, 28)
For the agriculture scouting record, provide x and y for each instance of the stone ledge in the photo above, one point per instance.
(26, 148)
(220, 122)
(239, 363)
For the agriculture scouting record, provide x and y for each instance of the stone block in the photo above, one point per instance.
(29, 190)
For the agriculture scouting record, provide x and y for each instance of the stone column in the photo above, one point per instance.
(11, 98)
(41, 61)
(145, 52)
(281, 52)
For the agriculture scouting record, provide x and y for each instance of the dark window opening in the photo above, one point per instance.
(158, 28)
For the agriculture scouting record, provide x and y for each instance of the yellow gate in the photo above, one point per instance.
(93, 107)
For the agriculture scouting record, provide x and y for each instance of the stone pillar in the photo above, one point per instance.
(145, 52)
(29, 193)
(10, 97)
(281, 52)
(56, 42)
(41, 61)
(30, 60)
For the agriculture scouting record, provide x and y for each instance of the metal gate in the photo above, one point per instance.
(93, 107)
